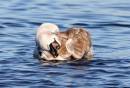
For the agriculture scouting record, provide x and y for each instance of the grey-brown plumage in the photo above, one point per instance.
(75, 43)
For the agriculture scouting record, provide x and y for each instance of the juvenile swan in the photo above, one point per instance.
(75, 44)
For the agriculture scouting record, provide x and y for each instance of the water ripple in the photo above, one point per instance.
(108, 23)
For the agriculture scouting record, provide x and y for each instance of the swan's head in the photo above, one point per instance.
(47, 33)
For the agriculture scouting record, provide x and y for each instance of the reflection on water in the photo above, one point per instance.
(107, 21)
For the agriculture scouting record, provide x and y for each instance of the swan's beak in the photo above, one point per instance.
(54, 46)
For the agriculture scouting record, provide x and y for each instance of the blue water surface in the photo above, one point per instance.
(108, 21)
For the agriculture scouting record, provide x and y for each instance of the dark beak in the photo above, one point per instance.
(54, 46)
